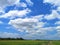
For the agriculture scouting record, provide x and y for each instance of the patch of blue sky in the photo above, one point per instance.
(40, 8)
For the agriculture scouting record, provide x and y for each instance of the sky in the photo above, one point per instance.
(30, 19)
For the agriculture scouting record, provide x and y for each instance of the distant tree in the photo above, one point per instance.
(11, 39)
(37, 39)
(21, 39)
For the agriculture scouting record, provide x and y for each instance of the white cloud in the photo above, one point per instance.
(55, 2)
(9, 35)
(39, 17)
(42, 33)
(53, 15)
(58, 31)
(58, 9)
(4, 3)
(34, 28)
(58, 27)
(2, 10)
(29, 25)
(57, 23)
(26, 24)
(33, 25)
(21, 4)
(29, 2)
(15, 13)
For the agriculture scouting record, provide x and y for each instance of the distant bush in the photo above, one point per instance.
(11, 39)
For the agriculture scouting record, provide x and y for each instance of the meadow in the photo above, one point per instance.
(28, 42)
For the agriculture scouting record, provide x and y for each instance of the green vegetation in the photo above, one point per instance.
(28, 42)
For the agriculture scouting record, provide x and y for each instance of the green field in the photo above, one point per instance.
(28, 42)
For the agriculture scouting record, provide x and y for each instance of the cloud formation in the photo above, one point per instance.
(29, 2)
(9, 35)
(16, 13)
(57, 2)
(53, 15)
(33, 26)
(27, 24)
(4, 3)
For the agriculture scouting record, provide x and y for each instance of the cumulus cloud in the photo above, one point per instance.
(29, 2)
(27, 23)
(33, 26)
(57, 23)
(55, 2)
(53, 15)
(58, 9)
(9, 35)
(15, 13)
(21, 4)
(39, 17)
(45, 33)
(58, 27)
(4, 3)
(42, 33)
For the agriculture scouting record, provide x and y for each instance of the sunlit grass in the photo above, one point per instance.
(28, 42)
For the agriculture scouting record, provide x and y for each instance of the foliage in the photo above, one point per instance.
(11, 39)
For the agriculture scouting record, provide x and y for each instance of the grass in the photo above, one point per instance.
(28, 42)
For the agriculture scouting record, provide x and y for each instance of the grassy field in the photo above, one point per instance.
(28, 42)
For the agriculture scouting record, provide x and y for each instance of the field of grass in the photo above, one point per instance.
(28, 42)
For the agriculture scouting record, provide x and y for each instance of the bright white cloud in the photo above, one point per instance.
(53, 15)
(21, 4)
(55, 2)
(57, 23)
(58, 9)
(42, 33)
(58, 27)
(4, 3)
(34, 28)
(39, 17)
(15, 13)
(26, 24)
(29, 25)
(29, 2)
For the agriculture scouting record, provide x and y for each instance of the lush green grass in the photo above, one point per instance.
(28, 42)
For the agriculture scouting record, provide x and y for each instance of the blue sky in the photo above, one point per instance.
(30, 19)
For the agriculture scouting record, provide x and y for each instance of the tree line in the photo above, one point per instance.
(12, 39)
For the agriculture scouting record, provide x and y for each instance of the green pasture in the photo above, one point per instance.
(28, 42)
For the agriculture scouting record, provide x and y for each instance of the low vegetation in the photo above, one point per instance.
(21, 41)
